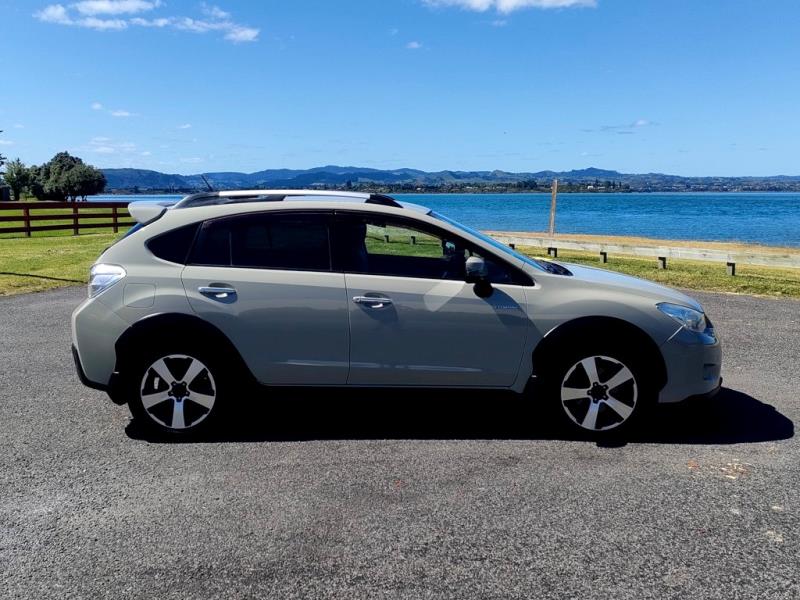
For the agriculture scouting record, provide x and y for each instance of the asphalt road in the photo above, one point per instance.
(324, 494)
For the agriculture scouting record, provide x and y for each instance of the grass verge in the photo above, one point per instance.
(691, 274)
(42, 263)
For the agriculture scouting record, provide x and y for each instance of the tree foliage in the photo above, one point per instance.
(65, 177)
(17, 177)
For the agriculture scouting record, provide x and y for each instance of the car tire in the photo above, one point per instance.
(177, 391)
(602, 390)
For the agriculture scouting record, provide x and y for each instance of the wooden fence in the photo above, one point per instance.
(766, 257)
(73, 216)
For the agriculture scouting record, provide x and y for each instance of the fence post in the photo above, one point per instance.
(114, 218)
(553, 252)
(74, 218)
(553, 199)
(662, 262)
(26, 216)
(732, 269)
(603, 256)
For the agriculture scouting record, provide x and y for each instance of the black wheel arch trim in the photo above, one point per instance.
(620, 328)
(170, 324)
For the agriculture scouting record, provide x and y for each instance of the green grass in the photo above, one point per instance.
(42, 263)
(690, 274)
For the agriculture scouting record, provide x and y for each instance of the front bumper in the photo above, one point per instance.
(694, 367)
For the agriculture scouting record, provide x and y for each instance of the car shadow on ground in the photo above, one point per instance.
(731, 417)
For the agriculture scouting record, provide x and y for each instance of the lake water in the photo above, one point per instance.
(765, 218)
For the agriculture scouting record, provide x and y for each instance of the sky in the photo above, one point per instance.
(689, 87)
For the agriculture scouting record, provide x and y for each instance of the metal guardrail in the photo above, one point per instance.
(766, 258)
(78, 215)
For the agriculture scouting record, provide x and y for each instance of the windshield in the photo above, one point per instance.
(494, 243)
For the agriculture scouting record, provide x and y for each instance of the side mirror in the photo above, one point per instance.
(478, 273)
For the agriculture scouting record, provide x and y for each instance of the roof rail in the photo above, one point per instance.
(238, 196)
(383, 200)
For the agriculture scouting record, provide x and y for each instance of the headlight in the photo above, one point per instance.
(690, 318)
(102, 277)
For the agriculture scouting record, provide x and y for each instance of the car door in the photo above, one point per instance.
(413, 318)
(265, 280)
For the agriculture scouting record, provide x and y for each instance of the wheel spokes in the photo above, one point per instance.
(622, 409)
(177, 415)
(590, 367)
(573, 393)
(195, 368)
(178, 390)
(150, 400)
(162, 370)
(203, 400)
(617, 380)
(590, 420)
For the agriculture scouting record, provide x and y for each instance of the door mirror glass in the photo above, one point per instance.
(476, 269)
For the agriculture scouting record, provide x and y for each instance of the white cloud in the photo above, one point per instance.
(238, 34)
(103, 24)
(97, 106)
(145, 153)
(185, 126)
(508, 6)
(192, 160)
(215, 12)
(6, 143)
(94, 14)
(499, 23)
(55, 13)
(414, 45)
(19, 126)
(121, 113)
(105, 145)
(114, 7)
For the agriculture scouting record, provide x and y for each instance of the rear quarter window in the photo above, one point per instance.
(174, 246)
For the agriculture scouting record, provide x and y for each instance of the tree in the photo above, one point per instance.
(17, 177)
(65, 177)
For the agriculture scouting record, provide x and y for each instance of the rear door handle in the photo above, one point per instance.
(217, 293)
(372, 301)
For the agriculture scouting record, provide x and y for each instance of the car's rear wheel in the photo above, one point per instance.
(600, 391)
(176, 392)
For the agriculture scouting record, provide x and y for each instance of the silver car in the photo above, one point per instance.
(304, 288)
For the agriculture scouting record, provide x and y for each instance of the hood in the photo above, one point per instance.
(658, 293)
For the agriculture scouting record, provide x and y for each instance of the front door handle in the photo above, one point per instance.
(217, 293)
(372, 301)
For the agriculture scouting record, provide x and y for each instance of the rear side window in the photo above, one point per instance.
(291, 241)
(174, 245)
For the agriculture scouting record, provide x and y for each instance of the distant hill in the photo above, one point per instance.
(332, 176)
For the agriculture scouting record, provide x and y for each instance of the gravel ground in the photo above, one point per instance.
(327, 494)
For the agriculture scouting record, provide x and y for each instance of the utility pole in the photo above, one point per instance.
(553, 199)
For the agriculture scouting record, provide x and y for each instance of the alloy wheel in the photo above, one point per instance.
(599, 393)
(178, 391)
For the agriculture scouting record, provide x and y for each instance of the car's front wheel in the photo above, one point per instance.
(599, 391)
(176, 392)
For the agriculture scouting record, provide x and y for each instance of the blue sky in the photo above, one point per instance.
(693, 87)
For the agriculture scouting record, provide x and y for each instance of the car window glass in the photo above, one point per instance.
(380, 245)
(267, 241)
(283, 241)
(174, 245)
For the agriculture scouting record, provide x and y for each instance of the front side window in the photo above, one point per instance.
(378, 245)
(290, 241)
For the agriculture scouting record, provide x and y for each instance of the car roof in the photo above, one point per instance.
(144, 211)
